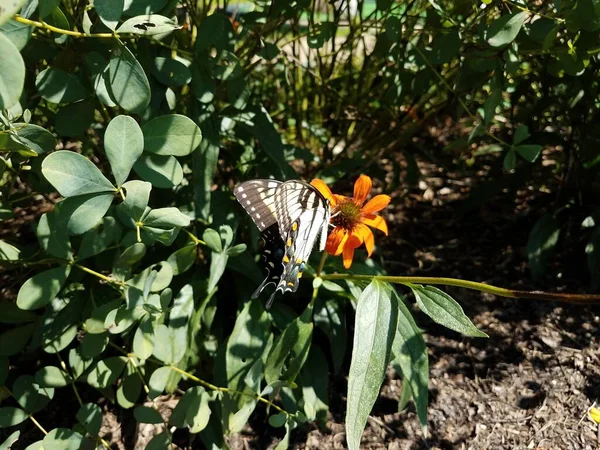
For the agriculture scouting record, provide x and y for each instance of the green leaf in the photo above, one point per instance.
(18, 33)
(57, 86)
(11, 416)
(158, 381)
(218, 263)
(376, 320)
(543, 238)
(98, 239)
(521, 133)
(269, 51)
(35, 137)
(171, 72)
(31, 397)
(106, 372)
(82, 213)
(129, 391)
(143, 340)
(63, 439)
(238, 92)
(109, 11)
(152, 25)
(14, 341)
(73, 174)
(213, 240)
(270, 140)
(53, 237)
(147, 7)
(124, 144)
(332, 320)
(47, 6)
(9, 9)
(592, 250)
(166, 218)
(162, 171)
(75, 119)
(58, 19)
(40, 289)
(51, 376)
(291, 349)
(137, 195)
(93, 344)
(12, 314)
(12, 72)
(172, 134)
(246, 343)
(510, 160)
(128, 82)
(182, 260)
(529, 152)
(444, 310)
(237, 250)
(179, 318)
(277, 420)
(163, 344)
(192, 410)
(90, 416)
(504, 30)
(160, 441)
(411, 360)
(10, 440)
(146, 414)
(8, 253)
(314, 379)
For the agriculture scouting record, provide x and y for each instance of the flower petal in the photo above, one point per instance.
(366, 236)
(362, 187)
(377, 203)
(376, 222)
(336, 240)
(325, 191)
(348, 256)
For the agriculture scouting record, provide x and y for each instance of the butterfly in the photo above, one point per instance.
(291, 215)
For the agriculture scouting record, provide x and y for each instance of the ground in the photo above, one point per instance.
(528, 386)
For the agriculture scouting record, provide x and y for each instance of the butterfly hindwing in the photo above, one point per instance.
(272, 251)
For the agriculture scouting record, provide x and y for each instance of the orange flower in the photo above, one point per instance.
(350, 216)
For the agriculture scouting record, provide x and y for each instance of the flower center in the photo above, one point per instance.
(347, 215)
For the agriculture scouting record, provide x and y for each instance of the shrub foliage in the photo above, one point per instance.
(126, 124)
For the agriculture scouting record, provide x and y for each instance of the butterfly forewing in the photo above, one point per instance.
(258, 199)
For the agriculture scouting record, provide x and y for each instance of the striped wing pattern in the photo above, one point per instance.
(301, 214)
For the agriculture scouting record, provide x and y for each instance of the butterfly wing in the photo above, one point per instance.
(305, 214)
(258, 199)
(272, 251)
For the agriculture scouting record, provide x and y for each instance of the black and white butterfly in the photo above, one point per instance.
(291, 215)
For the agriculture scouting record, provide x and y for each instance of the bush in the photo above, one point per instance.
(125, 126)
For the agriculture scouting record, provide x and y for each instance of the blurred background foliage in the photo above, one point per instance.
(283, 89)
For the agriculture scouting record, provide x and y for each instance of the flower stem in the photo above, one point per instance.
(582, 299)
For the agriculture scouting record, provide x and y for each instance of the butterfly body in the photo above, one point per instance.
(292, 213)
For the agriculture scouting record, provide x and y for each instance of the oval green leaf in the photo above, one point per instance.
(90, 416)
(504, 30)
(57, 86)
(124, 144)
(162, 171)
(172, 134)
(41, 289)
(75, 119)
(12, 73)
(82, 213)
(73, 174)
(63, 439)
(128, 82)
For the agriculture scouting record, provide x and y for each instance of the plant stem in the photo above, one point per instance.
(35, 23)
(581, 299)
